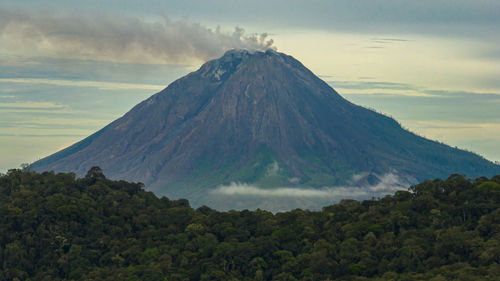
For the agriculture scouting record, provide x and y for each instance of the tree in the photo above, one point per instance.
(95, 173)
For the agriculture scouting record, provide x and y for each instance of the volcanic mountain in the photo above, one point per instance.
(259, 118)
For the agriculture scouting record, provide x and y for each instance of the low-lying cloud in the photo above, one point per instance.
(388, 184)
(118, 38)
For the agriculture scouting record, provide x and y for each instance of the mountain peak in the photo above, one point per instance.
(221, 68)
(239, 53)
(259, 118)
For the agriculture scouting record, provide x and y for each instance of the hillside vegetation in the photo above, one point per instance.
(58, 227)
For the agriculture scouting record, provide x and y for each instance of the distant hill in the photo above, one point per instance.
(56, 227)
(258, 118)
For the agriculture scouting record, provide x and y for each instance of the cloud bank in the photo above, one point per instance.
(118, 38)
(388, 183)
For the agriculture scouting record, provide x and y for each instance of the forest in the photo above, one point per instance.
(59, 227)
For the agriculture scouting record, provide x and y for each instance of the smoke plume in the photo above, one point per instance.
(118, 38)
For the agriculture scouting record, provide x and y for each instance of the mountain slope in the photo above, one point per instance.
(260, 118)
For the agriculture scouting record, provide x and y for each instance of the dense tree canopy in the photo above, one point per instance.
(57, 227)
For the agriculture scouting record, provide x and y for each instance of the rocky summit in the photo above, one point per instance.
(260, 124)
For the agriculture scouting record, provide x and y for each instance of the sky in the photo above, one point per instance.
(68, 68)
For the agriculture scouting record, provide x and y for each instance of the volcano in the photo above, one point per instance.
(258, 118)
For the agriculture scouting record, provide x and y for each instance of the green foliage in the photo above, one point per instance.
(57, 227)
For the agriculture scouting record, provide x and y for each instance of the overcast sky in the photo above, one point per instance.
(68, 68)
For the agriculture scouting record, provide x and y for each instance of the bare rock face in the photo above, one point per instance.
(260, 118)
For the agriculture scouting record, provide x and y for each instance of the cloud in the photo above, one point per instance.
(44, 135)
(55, 121)
(464, 94)
(388, 183)
(109, 37)
(391, 89)
(32, 105)
(388, 40)
(37, 111)
(381, 43)
(440, 124)
(379, 88)
(371, 85)
(76, 83)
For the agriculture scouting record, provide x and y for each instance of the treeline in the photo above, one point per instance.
(57, 227)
